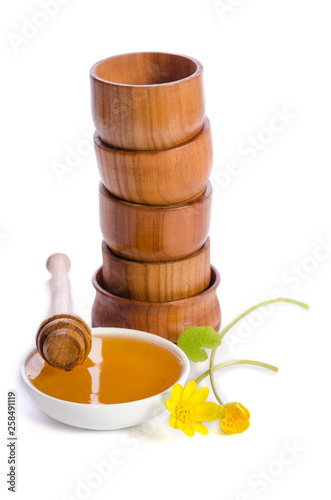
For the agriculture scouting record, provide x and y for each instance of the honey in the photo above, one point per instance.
(118, 370)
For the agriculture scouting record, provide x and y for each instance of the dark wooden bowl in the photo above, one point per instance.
(156, 281)
(147, 100)
(166, 319)
(164, 177)
(149, 233)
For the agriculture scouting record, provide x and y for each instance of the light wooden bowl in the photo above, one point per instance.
(147, 100)
(154, 233)
(166, 319)
(163, 177)
(156, 281)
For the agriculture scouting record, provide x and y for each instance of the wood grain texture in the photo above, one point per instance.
(154, 233)
(162, 177)
(156, 281)
(148, 100)
(63, 340)
(166, 319)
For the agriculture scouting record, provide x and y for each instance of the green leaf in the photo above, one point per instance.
(194, 340)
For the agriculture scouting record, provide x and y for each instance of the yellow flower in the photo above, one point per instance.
(189, 408)
(234, 418)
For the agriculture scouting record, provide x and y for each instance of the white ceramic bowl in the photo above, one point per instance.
(108, 416)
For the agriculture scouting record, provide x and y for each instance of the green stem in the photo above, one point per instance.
(234, 322)
(236, 362)
(211, 373)
(261, 304)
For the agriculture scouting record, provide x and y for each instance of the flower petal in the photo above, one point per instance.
(171, 405)
(225, 428)
(244, 410)
(188, 430)
(200, 396)
(181, 424)
(242, 426)
(189, 390)
(176, 393)
(234, 418)
(199, 427)
(206, 412)
(173, 422)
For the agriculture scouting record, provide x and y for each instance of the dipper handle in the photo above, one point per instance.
(59, 265)
(63, 340)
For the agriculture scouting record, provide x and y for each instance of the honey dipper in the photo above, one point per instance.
(63, 340)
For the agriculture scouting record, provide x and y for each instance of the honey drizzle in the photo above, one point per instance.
(118, 370)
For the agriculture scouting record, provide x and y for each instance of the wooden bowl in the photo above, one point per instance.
(163, 177)
(154, 233)
(147, 100)
(156, 281)
(166, 319)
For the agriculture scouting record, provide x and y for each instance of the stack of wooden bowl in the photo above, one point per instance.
(154, 152)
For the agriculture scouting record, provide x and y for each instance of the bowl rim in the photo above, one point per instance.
(144, 263)
(206, 129)
(207, 194)
(214, 283)
(197, 73)
(112, 331)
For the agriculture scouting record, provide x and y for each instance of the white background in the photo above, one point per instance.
(259, 56)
